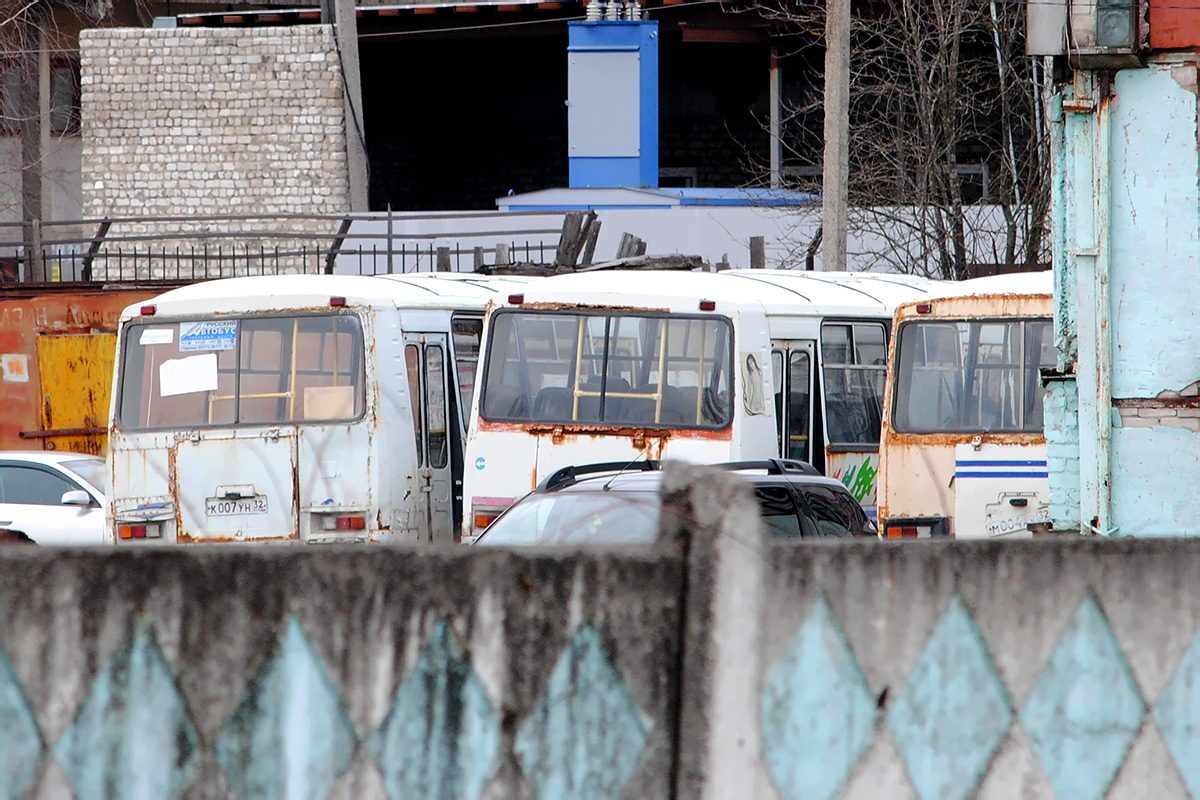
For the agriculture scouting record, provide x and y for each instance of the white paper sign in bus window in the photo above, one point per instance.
(187, 375)
(208, 335)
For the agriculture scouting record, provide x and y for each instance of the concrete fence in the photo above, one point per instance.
(717, 664)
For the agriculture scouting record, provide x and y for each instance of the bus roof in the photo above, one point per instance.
(672, 290)
(275, 292)
(1021, 283)
(774, 291)
(1017, 294)
(827, 292)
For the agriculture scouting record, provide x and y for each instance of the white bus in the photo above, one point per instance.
(708, 368)
(311, 408)
(963, 450)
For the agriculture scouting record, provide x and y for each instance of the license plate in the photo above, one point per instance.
(1014, 523)
(220, 507)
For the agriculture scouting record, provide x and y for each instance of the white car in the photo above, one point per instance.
(53, 498)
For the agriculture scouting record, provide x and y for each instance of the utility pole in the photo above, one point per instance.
(32, 66)
(835, 172)
(341, 14)
(776, 139)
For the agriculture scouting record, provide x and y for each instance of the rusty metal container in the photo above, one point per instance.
(56, 357)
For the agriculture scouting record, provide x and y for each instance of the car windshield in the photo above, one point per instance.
(90, 471)
(576, 517)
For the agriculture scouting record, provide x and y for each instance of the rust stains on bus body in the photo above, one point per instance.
(543, 306)
(573, 433)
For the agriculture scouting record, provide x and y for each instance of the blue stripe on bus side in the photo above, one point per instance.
(1002, 474)
(1000, 463)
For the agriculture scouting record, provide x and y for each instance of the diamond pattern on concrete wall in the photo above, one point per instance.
(1178, 716)
(290, 737)
(818, 714)
(953, 711)
(133, 736)
(585, 734)
(441, 736)
(20, 744)
(1085, 709)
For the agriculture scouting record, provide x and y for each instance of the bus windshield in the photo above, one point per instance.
(965, 376)
(612, 369)
(251, 371)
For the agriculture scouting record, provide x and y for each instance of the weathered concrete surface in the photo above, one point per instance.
(718, 664)
(1020, 669)
(298, 657)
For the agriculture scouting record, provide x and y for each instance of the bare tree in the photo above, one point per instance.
(948, 155)
(27, 28)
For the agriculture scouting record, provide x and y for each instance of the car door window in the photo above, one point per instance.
(832, 516)
(32, 486)
(779, 513)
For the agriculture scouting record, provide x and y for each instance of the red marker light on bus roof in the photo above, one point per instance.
(337, 302)
(516, 299)
(148, 311)
(924, 308)
(708, 305)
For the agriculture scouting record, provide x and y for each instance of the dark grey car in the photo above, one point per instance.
(619, 503)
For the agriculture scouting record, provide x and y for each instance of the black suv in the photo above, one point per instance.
(619, 503)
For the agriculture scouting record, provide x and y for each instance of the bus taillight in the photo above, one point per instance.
(141, 530)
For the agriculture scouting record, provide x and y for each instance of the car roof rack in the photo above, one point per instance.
(569, 475)
(773, 466)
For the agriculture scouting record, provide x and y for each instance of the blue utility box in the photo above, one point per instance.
(612, 105)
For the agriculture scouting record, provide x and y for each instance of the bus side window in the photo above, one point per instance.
(435, 408)
(412, 360)
(777, 386)
(799, 381)
(467, 333)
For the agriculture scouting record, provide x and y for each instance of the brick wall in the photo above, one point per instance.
(215, 121)
(1062, 452)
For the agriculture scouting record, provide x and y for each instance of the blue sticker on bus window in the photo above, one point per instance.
(480, 463)
(210, 335)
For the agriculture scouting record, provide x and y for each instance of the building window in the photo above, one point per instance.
(64, 97)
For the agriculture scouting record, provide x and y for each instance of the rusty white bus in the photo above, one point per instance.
(310, 408)
(963, 449)
(606, 366)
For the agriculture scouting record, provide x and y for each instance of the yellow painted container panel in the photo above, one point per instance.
(76, 382)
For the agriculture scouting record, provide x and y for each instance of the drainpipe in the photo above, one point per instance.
(1103, 311)
(1088, 139)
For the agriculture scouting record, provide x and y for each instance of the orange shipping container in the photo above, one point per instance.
(56, 358)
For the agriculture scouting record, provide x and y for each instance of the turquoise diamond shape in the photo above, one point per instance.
(1085, 708)
(953, 712)
(20, 744)
(1178, 716)
(441, 735)
(585, 735)
(818, 714)
(290, 737)
(133, 736)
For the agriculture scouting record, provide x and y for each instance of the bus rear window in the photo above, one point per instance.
(622, 370)
(971, 376)
(250, 371)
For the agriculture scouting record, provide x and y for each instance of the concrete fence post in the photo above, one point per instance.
(713, 516)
